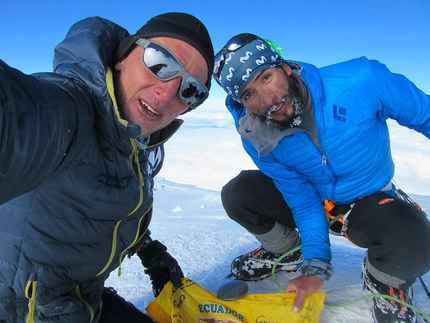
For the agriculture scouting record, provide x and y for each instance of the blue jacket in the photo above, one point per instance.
(350, 156)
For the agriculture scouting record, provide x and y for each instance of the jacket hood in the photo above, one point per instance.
(85, 55)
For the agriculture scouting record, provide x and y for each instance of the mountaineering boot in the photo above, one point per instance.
(386, 310)
(258, 264)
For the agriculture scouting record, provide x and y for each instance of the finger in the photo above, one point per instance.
(290, 288)
(299, 300)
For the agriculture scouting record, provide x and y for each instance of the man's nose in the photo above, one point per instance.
(267, 98)
(167, 91)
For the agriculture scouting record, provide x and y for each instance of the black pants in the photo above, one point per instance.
(396, 234)
(117, 310)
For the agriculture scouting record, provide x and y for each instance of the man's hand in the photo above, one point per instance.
(303, 286)
(160, 265)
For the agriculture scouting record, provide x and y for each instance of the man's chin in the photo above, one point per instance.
(282, 123)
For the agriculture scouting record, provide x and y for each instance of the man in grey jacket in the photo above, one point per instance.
(79, 149)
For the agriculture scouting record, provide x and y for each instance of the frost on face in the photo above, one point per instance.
(295, 102)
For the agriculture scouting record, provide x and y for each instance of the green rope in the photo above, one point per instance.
(362, 298)
(277, 262)
(354, 301)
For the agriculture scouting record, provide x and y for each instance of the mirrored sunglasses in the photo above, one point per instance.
(165, 66)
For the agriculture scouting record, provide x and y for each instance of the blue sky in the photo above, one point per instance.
(396, 32)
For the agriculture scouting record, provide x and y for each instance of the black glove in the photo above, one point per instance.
(160, 265)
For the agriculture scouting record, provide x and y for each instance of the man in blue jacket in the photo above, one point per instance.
(320, 141)
(79, 149)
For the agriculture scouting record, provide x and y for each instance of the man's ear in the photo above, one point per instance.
(287, 69)
(118, 66)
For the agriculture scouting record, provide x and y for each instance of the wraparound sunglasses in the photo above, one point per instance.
(165, 66)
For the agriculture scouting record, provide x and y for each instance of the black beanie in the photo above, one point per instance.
(175, 25)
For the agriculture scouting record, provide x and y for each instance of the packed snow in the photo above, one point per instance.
(190, 220)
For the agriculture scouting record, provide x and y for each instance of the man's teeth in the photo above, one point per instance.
(277, 105)
(273, 108)
(151, 110)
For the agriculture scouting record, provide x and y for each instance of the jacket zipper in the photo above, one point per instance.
(87, 305)
(324, 163)
(134, 161)
(30, 293)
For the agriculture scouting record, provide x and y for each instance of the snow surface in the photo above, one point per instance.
(190, 220)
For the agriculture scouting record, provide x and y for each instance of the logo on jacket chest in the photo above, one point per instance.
(339, 113)
(111, 184)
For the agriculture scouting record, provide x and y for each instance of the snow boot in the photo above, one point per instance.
(258, 264)
(386, 310)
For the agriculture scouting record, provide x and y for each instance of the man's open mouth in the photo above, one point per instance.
(148, 108)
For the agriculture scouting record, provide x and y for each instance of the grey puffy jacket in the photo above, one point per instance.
(75, 191)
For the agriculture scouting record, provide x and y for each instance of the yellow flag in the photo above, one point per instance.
(194, 304)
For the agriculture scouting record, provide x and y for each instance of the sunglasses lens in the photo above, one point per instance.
(160, 62)
(232, 45)
(193, 92)
(238, 41)
(165, 66)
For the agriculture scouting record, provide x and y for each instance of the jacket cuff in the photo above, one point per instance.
(316, 267)
(149, 253)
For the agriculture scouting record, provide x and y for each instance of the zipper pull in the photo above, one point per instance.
(324, 160)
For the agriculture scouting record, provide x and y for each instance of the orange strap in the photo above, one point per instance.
(328, 207)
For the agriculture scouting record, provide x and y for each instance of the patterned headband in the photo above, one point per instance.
(241, 65)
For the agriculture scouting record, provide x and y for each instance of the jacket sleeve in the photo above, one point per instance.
(37, 122)
(400, 99)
